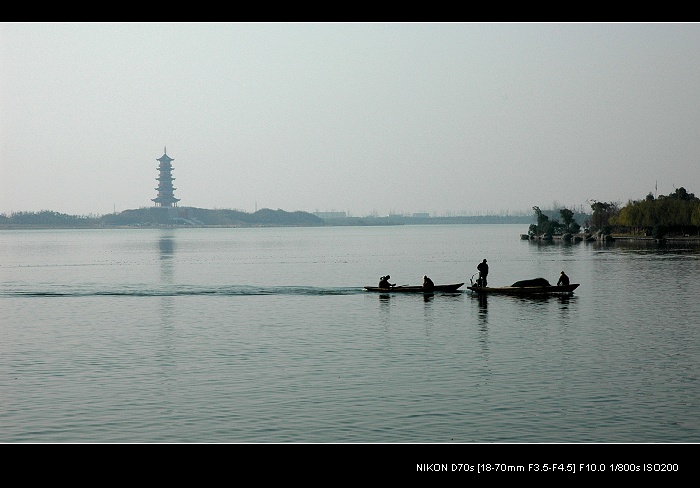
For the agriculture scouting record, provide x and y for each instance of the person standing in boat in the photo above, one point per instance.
(384, 282)
(483, 272)
(563, 280)
(428, 283)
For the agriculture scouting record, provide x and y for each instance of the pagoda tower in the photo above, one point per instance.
(165, 179)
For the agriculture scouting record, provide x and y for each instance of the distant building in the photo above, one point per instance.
(421, 215)
(330, 215)
(165, 189)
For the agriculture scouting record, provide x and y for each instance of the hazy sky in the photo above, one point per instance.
(365, 118)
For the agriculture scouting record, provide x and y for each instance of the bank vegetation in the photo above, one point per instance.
(674, 215)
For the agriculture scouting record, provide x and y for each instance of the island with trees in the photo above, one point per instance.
(672, 216)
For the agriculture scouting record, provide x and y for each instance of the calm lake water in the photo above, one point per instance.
(267, 336)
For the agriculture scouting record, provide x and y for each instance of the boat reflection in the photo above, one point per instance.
(384, 298)
(483, 304)
(483, 308)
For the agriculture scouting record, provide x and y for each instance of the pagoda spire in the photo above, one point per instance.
(166, 197)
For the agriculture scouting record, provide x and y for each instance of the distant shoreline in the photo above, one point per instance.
(189, 217)
(370, 223)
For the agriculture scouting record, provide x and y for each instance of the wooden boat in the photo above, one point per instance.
(415, 289)
(525, 290)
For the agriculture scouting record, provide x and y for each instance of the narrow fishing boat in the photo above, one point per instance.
(525, 290)
(416, 289)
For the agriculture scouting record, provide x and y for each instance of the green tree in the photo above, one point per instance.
(603, 212)
(667, 214)
(569, 223)
(681, 194)
(695, 216)
(544, 225)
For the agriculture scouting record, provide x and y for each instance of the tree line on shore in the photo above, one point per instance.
(675, 214)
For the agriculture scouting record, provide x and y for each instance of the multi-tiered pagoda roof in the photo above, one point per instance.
(166, 197)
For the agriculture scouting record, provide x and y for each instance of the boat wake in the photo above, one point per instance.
(170, 290)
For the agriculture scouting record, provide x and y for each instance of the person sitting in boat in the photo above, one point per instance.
(563, 280)
(483, 272)
(384, 282)
(428, 283)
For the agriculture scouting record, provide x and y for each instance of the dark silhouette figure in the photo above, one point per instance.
(384, 282)
(483, 272)
(428, 283)
(563, 279)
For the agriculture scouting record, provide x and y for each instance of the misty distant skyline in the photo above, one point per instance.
(362, 118)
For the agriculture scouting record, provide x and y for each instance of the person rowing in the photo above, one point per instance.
(563, 280)
(384, 282)
(428, 283)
